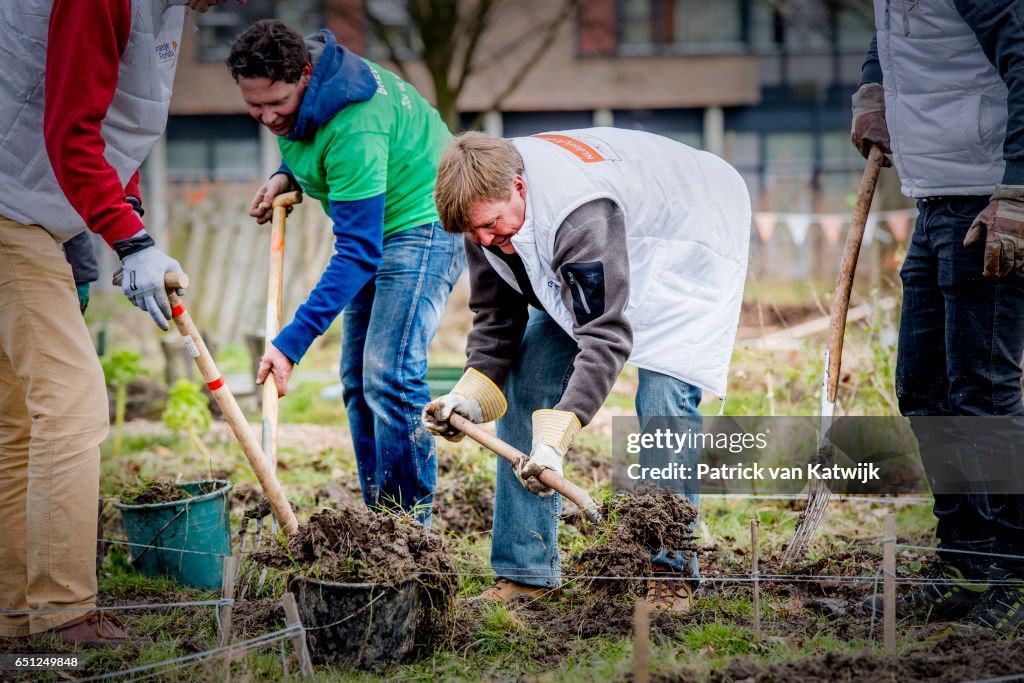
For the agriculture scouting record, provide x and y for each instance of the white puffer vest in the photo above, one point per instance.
(29, 192)
(687, 216)
(945, 103)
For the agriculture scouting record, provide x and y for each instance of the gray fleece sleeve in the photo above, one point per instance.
(500, 314)
(591, 259)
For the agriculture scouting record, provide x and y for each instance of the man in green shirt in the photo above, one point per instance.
(366, 144)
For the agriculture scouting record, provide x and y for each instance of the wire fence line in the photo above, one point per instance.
(163, 605)
(156, 668)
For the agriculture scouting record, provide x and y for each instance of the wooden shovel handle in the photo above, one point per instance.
(232, 413)
(549, 478)
(844, 283)
(272, 325)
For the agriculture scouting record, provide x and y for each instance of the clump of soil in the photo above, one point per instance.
(152, 492)
(353, 545)
(638, 524)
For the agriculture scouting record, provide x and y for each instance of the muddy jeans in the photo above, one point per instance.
(386, 330)
(524, 534)
(960, 345)
(53, 417)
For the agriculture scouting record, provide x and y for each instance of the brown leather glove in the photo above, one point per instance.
(1002, 221)
(869, 127)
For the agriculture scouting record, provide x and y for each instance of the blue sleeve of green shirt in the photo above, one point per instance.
(999, 27)
(358, 249)
(283, 168)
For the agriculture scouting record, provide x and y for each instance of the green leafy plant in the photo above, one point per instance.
(188, 411)
(120, 368)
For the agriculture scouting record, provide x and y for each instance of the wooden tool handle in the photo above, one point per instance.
(287, 199)
(844, 283)
(549, 478)
(233, 414)
(272, 324)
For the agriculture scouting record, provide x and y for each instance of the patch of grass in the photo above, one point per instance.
(719, 638)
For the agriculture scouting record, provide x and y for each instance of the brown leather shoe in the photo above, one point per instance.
(671, 594)
(504, 590)
(95, 629)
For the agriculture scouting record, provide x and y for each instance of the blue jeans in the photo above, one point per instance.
(960, 346)
(385, 333)
(524, 535)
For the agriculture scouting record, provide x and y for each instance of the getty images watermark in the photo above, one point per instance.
(662, 442)
(856, 454)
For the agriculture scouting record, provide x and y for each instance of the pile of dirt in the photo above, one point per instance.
(954, 658)
(152, 492)
(354, 545)
(638, 524)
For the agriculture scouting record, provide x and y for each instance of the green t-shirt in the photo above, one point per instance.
(388, 144)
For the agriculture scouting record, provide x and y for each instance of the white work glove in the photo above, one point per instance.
(553, 432)
(474, 397)
(144, 268)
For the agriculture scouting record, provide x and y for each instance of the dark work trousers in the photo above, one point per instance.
(960, 346)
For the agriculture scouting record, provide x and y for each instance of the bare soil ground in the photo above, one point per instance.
(950, 658)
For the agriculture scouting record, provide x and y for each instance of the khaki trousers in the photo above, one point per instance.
(53, 417)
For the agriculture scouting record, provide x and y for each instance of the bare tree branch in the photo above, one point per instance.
(380, 30)
(547, 39)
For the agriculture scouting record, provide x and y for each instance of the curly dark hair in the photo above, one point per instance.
(268, 49)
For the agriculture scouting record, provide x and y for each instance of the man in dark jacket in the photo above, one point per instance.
(954, 128)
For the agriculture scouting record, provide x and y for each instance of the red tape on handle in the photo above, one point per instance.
(177, 310)
(216, 384)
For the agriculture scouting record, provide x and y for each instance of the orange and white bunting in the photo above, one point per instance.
(765, 224)
(832, 226)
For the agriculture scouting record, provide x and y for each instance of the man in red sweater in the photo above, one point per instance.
(84, 95)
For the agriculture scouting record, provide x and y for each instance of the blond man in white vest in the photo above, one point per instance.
(84, 95)
(587, 249)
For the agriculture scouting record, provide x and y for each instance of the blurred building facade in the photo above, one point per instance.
(763, 83)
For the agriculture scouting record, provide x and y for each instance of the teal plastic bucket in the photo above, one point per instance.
(186, 539)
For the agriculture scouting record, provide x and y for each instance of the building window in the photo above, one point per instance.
(213, 148)
(667, 26)
(390, 31)
(221, 25)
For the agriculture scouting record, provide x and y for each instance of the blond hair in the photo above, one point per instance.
(475, 167)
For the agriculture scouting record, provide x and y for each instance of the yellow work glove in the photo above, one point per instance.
(474, 397)
(553, 432)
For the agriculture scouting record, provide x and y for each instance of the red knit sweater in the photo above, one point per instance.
(84, 48)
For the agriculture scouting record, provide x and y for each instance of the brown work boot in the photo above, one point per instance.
(503, 590)
(671, 594)
(95, 629)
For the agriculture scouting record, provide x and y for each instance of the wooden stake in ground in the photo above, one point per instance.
(757, 580)
(641, 640)
(291, 611)
(224, 612)
(889, 586)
